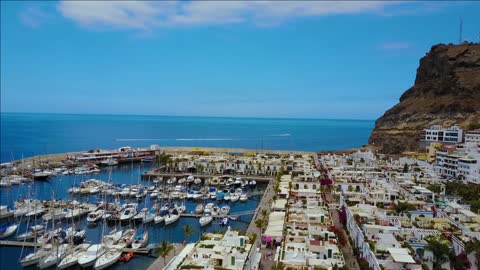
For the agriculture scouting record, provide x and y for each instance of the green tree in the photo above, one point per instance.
(440, 252)
(278, 266)
(164, 250)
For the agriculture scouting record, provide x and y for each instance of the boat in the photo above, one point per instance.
(214, 181)
(112, 238)
(55, 214)
(141, 214)
(41, 175)
(252, 183)
(234, 197)
(244, 183)
(35, 212)
(95, 216)
(128, 213)
(244, 197)
(238, 181)
(7, 230)
(33, 232)
(149, 216)
(190, 179)
(206, 218)
(225, 210)
(5, 212)
(35, 257)
(73, 213)
(110, 257)
(140, 240)
(182, 180)
(229, 182)
(89, 257)
(55, 257)
(226, 195)
(72, 257)
(46, 237)
(147, 159)
(127, 237)
(225, 221)
(197, 181)
(173, 217)
(172, 181)
(160, 217)
(199, 208)
(109, 162)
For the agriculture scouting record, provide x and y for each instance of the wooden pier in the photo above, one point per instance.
(150, 175)
(19, 244)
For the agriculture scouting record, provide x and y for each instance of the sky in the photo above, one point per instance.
(314, 59)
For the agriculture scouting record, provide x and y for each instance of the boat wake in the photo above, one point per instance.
(280, 135)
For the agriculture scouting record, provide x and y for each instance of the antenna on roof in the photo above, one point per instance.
(460, 37)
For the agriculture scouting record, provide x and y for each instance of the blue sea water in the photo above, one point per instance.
(26, 135)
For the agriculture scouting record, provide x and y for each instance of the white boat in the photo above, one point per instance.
(182, 180)
(171, 218)
(229, 182)
(109, 258)
(244, 183)
(225, 210)
(197, 181)
(73, 213)
(128, 213)
(253, 183)
(89, 257)
(4, 212)
(238, 181)
(244, 197)
(7, 230)
(206, 218)
(95, 216)
(55, 214)
(94, 190)
(161, 216)
(72, 258)
(234, 197)
(56, 256)
(172, 181)
(112, 238)
(35, 212)
(33, 232)
(140, 240)
(149, 216)
(127, 237)
(199, 208)
(226, 195)
(190, 179)
(141, 214)
(214, 181)
(35, 257)
(46, 237)
(109, 162)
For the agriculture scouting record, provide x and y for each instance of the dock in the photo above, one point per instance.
(150, 175)
(231, 215)
(19, 244)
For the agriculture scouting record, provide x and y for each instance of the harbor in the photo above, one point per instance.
(120, 198)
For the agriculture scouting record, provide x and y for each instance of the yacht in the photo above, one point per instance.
(35, 257)
(128, 213)
(109, 162)
(244, 197)
(110, 257)
(5, 212)
(89, 257)
(95, 216)
(33, 232)
(225, 210)
(173, 217)
(206, 218)
(56, 256)
(72, 257)
(140, 240)
(7, 230)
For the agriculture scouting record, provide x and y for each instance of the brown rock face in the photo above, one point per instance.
(446, 92)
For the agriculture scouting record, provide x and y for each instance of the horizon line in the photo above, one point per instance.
(192, 116)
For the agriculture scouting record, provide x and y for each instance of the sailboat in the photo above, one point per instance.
(7, 230)
(89, 257)
(206, 218)
(72, 258)
(54, 257)
(140, 240)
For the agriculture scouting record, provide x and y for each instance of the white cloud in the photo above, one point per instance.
(151, 14)
(397, 45)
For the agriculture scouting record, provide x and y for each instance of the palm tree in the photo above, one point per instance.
(164, 250)
(264, 212)
(188, 230)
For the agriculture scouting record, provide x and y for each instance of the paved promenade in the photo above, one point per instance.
(265, 263)
(159, 264)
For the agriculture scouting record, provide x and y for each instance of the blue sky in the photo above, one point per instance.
(256, 59)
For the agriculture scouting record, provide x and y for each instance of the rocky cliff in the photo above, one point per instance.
(446, 92)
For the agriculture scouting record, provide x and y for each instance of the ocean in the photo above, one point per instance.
(26, 134)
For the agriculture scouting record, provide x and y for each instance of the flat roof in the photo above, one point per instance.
(401, 255)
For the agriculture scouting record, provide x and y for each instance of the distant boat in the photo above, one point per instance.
(206, 218)
(253, 183)
(109, 162)
(140, 240)
(147, 159)
(7, 230)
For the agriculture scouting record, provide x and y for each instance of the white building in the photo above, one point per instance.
(436, 133)
(460, 163)
(472, 136)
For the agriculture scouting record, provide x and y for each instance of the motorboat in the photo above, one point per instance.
(109, 162)
(244, 183)
(190, 179)
(244, 197)
(110, 257)
(225, 210)
(252, 183)
(7, 230)
(95, 216)
(128, 213)
(72, 257)
(238, 181)
(33, 232)
(160, 217)
(197, 181)
(56, 256)
(214, 181)
(141, 214)
(89, 257)
(182, 180)
(234, 197)
(55, 214)
(199, 208)
(140, 240)
(206, 218)
(149, 216)
(229, 182)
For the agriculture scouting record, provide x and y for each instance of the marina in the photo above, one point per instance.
(114, 200)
